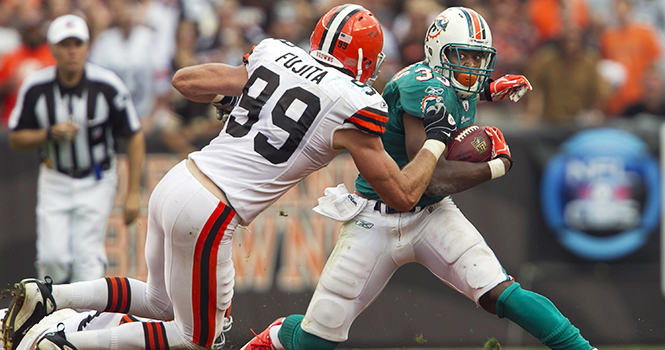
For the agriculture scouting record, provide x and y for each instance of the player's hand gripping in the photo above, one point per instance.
(439, 124)
(224, 106)
(500, 148)
(511, 85)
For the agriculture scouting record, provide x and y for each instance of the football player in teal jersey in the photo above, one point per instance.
(455, 74)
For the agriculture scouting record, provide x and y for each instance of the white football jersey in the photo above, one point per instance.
(282, 128)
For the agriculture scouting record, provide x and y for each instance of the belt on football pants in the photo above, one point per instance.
(80, 173)
(384, 209)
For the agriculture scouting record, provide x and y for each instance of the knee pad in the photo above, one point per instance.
(331, 313)
(479, 269)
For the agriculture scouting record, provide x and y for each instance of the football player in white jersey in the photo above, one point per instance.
(296, 112)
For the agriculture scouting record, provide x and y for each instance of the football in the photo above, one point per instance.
(470, 144)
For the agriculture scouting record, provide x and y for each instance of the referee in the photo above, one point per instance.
(75, 113)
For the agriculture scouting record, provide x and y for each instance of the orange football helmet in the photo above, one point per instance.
(349, 37)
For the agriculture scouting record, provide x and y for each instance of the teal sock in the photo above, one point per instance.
(293, 337)
(538, 316)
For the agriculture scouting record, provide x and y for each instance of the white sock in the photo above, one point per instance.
(82, 295)
(274, 338)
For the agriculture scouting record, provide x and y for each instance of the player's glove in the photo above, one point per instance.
(500, 148)
(438, 123)
(513, 86)
(224, 106)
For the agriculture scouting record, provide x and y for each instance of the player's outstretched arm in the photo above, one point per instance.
(202, 83)
(400, 189)
(449, 176)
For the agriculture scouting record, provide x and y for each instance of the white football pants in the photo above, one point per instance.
(372, 246)
(72, 220)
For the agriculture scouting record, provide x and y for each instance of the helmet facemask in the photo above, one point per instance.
(467, 80)
(379, 61)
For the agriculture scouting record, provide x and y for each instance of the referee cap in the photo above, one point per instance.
(67, 26)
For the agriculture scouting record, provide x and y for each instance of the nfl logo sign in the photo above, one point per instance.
(480, 145)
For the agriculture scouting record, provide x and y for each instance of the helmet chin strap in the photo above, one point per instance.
(359, 71)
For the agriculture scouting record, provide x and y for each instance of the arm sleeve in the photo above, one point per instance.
(417, 96)
(23, 115)
(122, 112)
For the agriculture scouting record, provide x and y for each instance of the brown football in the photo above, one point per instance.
(470, 144)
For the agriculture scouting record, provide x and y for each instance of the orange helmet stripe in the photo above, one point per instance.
(476, 25)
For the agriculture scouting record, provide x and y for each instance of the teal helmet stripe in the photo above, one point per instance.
(469, 23)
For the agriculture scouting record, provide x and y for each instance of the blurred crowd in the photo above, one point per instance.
(589, 61)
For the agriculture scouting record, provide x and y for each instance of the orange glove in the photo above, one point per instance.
(513, 86)
(499, 146)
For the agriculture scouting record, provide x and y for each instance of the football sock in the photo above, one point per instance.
(538, 316)
(113, 294)
(293, 337)
(132, 336)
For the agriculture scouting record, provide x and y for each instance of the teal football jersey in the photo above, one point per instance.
(411, 91)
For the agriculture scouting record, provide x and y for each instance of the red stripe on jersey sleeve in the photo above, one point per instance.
(379, 117)
(366, 126)
(370, 120)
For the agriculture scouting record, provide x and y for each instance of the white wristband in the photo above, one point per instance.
(435, 147)
(217, 98)
(497, 168)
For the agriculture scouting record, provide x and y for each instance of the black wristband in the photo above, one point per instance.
(488, 93)
(48, 134)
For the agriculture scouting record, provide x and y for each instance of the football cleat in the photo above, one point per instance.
(55, 340)
(31, 303)
(44, 326)
(262, 340)
(220, 342)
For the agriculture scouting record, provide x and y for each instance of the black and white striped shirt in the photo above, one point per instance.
(100, 104)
